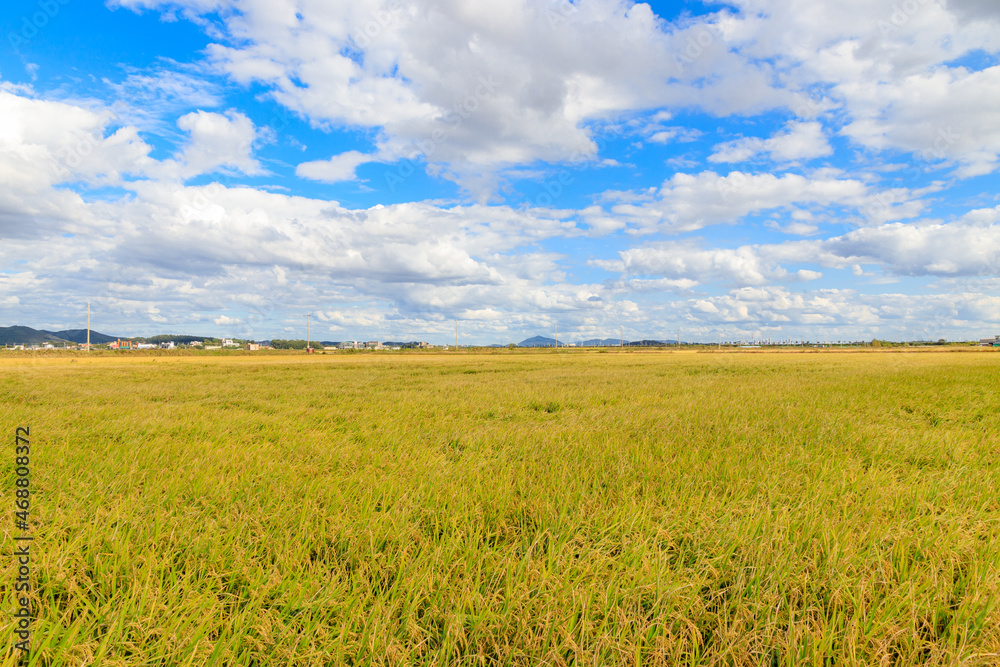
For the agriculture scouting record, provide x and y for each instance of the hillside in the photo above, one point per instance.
(17, 335)
(80, 336)
(539, 341)
(26, 336)
(600, 342)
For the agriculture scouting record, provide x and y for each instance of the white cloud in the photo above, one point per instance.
(690, 202)
(474, 87)
(216, 140)
(799, 141)
(338, 168)
(151, 100)
(474, 91)
(45, 142)
(843, 314)
(968, 247)
(890, 68)
(685, 261)
(798, 228)
(946, 115)
(484, 86)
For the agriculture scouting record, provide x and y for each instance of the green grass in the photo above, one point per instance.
(641, 508)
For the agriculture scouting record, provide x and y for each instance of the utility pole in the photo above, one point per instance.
(88, 326)
(720, 340)
(456, 335)
(307, 332)
(622, 343)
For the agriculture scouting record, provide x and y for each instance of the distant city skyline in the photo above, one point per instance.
(807, 171)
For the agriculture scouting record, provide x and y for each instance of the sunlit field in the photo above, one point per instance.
(509, 508)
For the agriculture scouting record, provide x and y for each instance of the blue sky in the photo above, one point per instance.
(821, 171)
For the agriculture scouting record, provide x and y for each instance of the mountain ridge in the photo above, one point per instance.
(20, 335)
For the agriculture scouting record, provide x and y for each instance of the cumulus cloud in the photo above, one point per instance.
(841, 314)
(522, 88)
(694, 265)
(217, 140)
(688, 202)
(151, 100)
(473, 87)
(799, 142)
(946, 115)
(967, 247)
(338, 168)
(47, 142)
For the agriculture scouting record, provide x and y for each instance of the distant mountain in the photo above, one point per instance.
(80, 336)
(601, 342)
(26, 336)
(540, 341)
(29, 336)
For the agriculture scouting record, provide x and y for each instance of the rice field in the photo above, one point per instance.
(508, 508)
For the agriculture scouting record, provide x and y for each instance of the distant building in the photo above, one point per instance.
(120, 344)
(990, 342)
(229, 342)
(373, 345)
(349, 345)
(169, 345)
(253, 347)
